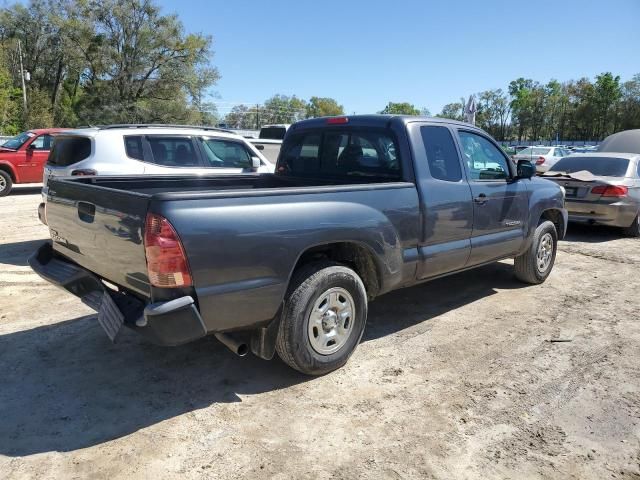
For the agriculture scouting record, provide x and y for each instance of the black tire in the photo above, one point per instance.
(526, 266)
(634, 229)
(5, 183)
(307, 287)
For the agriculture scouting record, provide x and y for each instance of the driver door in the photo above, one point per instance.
(36, 156)
(500, 202)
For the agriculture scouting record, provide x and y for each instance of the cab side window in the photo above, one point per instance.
(442, 156)
(484, 159)
(43, 142)
(225, 154)
(173, 151)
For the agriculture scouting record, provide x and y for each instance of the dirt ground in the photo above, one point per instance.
(453, 379)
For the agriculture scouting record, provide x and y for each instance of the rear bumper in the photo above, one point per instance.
(165, 323)
(618, 214)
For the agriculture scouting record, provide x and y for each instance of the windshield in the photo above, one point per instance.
(534, 151)
(16, 142)
(598, 166)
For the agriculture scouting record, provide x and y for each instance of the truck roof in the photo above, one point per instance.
(380, 120)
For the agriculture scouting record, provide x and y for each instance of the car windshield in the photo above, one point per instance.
(598, 166)
(534, 151)
(16, 142)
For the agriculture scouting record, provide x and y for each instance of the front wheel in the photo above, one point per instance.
(535, 265)
(323, 318)
(5, 183)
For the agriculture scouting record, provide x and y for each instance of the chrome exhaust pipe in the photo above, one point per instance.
(239, 348)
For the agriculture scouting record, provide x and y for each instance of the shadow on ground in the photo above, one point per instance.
(65, 387)
(25, 190)
(406, 307)
(577, 232)
(18, 253)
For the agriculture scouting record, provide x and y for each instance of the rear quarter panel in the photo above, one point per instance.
(242, 250)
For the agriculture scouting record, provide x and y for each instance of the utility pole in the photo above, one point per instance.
(257, 117)
(24, 88)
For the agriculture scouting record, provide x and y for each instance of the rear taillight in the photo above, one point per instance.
(83, 172)
(540, 160)
(610, 190)
(166, 261)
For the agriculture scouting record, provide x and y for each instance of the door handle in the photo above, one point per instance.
(480, 199)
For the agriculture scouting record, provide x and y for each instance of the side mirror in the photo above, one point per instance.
(259, 147)
(255, 163)
(31, 147)
(525, 169)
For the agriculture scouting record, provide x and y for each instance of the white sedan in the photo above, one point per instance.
(542, 157)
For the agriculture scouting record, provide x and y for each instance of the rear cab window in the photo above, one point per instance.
(342, 153)
(68, 149)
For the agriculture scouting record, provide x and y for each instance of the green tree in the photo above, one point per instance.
(241, 116)
(493, 110)
(403, 108)
(453, 111)
(629, 112)
(607, 93)
(10, 109)
(282, 109)
(323, 107)
(140, 65)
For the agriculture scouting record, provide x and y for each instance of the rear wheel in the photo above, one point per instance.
(535, 265)
(634, 229)
(5, 183)
(323, 319)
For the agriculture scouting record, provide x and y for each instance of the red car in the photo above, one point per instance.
(22, 158)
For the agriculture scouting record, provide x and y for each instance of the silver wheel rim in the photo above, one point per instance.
(331, 321)
(3, 183)
(545, 252)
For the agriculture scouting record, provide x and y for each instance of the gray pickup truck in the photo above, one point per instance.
(358, 206)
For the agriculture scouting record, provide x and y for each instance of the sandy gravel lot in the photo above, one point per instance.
(454, 379)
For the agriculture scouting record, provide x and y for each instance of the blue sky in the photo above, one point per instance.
(429, 53)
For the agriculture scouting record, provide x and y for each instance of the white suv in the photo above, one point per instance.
(153, 150)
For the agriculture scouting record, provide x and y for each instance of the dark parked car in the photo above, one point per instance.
(358, 206)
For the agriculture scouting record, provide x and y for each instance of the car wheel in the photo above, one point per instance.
(535, 265)
(323, 318)
(634, 229)
(5, 183)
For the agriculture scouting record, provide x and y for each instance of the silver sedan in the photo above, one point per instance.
(601, 188)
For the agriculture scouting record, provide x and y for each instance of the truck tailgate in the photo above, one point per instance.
(101, 230)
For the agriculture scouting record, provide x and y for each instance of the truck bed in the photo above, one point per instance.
(99, 222)
(153, 185)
